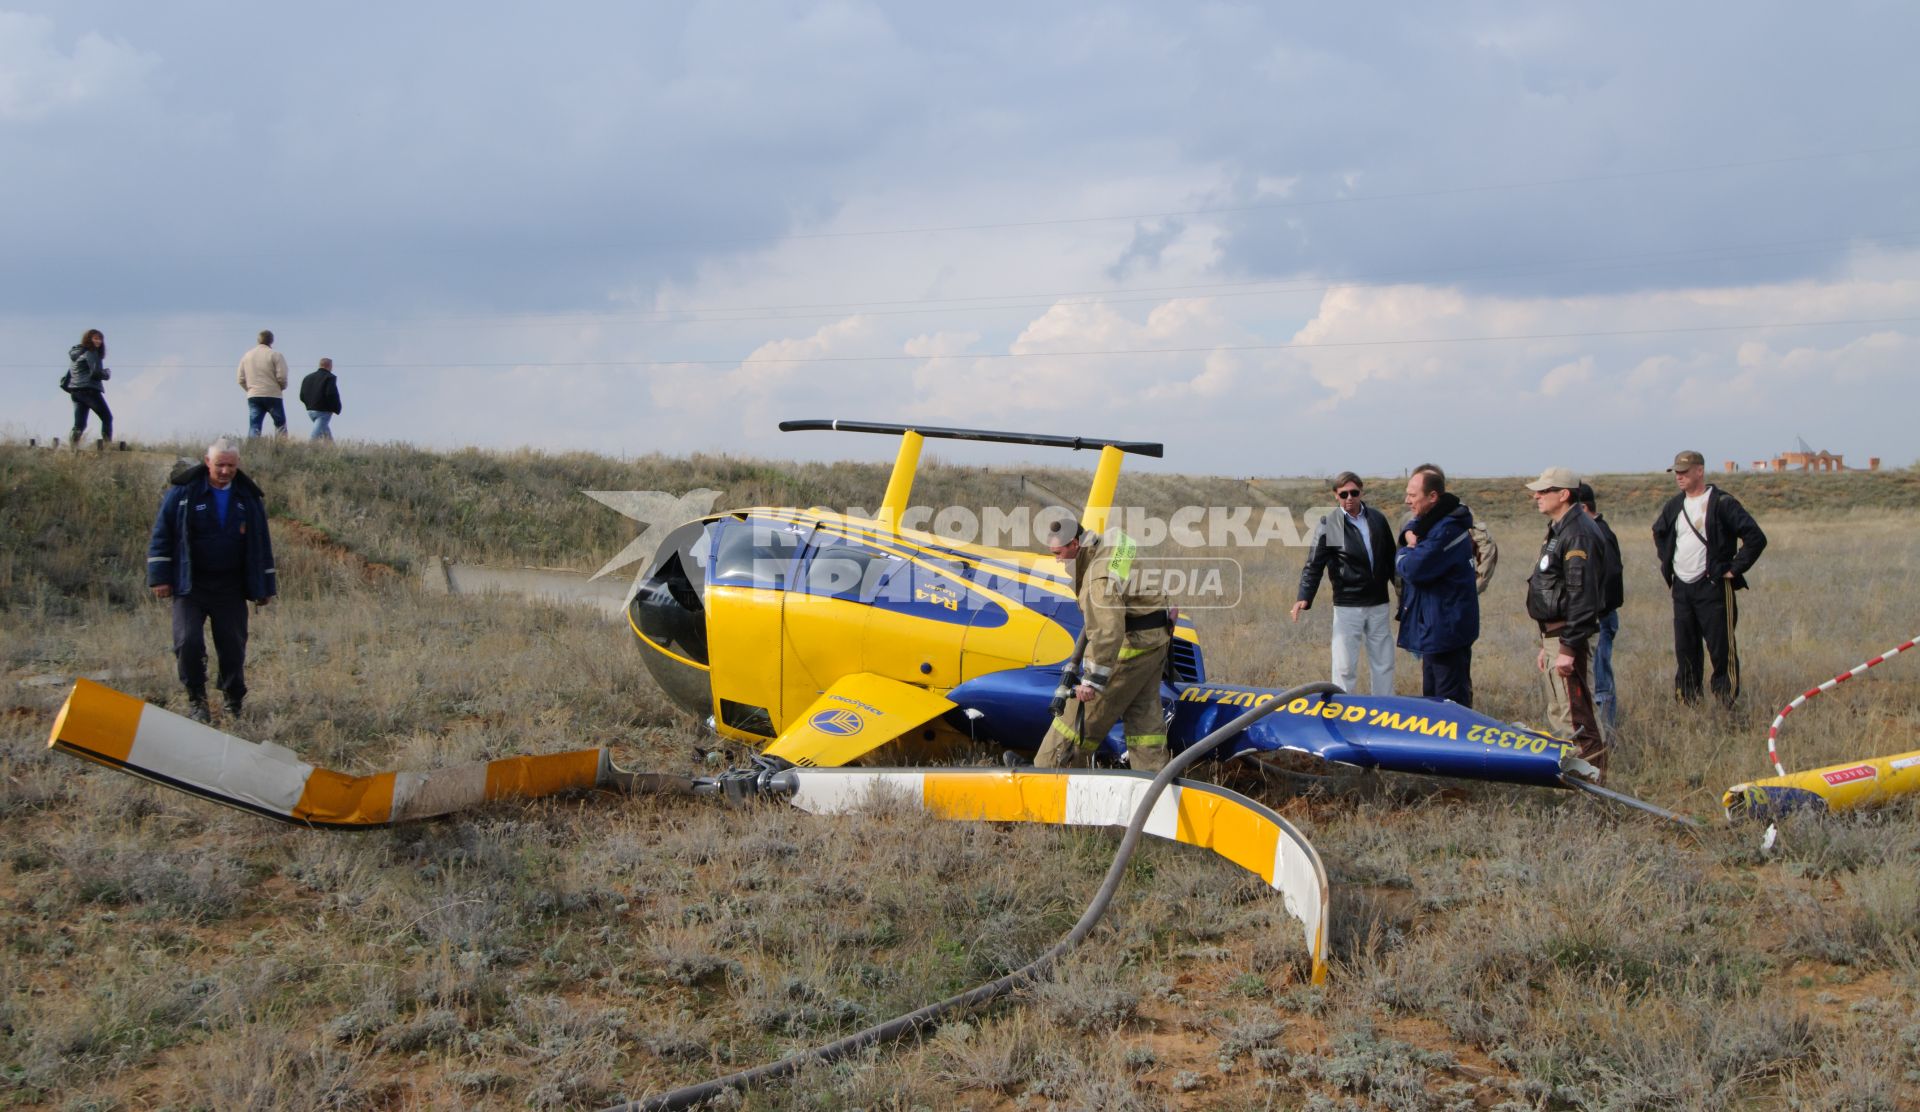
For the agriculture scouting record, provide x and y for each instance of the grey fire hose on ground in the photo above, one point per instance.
(1033, 971)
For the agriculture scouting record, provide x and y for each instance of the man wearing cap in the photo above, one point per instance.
(1606, 699)
(1707, 543)
(1565, 594)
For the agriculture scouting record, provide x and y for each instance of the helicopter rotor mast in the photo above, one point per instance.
(900, 484)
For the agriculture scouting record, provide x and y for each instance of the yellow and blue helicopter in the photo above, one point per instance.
(825, 639)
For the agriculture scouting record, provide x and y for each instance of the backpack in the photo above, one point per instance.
(1486, 555)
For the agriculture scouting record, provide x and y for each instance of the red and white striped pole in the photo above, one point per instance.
(1773, 731)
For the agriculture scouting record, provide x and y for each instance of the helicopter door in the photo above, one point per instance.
(919, 618)
(747, 583)
(826, 616)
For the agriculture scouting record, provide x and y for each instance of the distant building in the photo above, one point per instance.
(1808, 460)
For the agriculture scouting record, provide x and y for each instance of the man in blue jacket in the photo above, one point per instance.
(1439, 605)
(211, 555)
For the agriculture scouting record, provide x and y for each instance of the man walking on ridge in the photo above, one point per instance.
(320, 393)
(263, 375)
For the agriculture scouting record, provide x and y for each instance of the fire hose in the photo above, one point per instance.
(769, 780)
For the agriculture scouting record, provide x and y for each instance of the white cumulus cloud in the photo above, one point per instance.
(41, 80)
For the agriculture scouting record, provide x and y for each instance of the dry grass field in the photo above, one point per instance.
(1493, 948)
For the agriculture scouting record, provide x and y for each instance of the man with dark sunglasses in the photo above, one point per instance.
(1353, 546)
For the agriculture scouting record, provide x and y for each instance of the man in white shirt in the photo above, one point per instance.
(1707, 543)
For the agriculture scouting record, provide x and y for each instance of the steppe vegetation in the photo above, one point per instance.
(1493, 948)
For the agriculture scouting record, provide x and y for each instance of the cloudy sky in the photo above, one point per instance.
(1284, 239)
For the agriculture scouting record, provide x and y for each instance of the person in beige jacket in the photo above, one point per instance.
(263, 375)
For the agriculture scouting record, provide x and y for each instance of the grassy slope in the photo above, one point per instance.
(1490, 945)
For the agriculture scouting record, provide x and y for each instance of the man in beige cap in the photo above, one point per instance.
(1566, 594)
(1707, 542)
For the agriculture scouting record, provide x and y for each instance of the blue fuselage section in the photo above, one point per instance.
(1390, 733)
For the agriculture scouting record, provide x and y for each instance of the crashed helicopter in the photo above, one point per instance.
(824, 639)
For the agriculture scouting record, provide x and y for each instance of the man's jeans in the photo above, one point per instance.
(320, 429)
(260, 408)
(1603, 696)
(1372, 626)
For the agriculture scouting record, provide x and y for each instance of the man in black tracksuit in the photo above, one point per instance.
(1566, 594)
(210, 553)
(1707, 543)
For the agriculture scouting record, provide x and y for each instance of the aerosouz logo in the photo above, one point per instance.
(840, 723)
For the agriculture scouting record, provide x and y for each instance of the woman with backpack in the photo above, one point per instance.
(85, 383)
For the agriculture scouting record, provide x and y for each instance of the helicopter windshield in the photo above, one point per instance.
(668, 609)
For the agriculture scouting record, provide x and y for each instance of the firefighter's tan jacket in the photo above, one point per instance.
(1109, 594)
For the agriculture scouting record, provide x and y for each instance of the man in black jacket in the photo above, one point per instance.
(1354, 547)
(320, 393)
(1707, 543)
(1565, 594)
(1605, 701)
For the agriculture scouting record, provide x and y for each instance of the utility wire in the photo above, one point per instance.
(1364, 198)
(416, 250)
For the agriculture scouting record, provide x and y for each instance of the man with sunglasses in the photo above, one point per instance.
(1353, 546)
(1707, 543)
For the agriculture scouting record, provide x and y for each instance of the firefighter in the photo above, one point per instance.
(1129, 630)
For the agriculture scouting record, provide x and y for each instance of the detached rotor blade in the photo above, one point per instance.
(107, 727)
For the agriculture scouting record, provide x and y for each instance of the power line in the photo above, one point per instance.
(1105, 353)
(414, 249)
(1364, 198)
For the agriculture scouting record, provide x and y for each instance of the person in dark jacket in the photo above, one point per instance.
(1439, 605)
(1565, 594)
(320, 393)
(86, 384)
(1707, 543)
(1606, 702)
(1353, 547)
(211, 554)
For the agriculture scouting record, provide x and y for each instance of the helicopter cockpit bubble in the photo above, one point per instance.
(669, 613)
